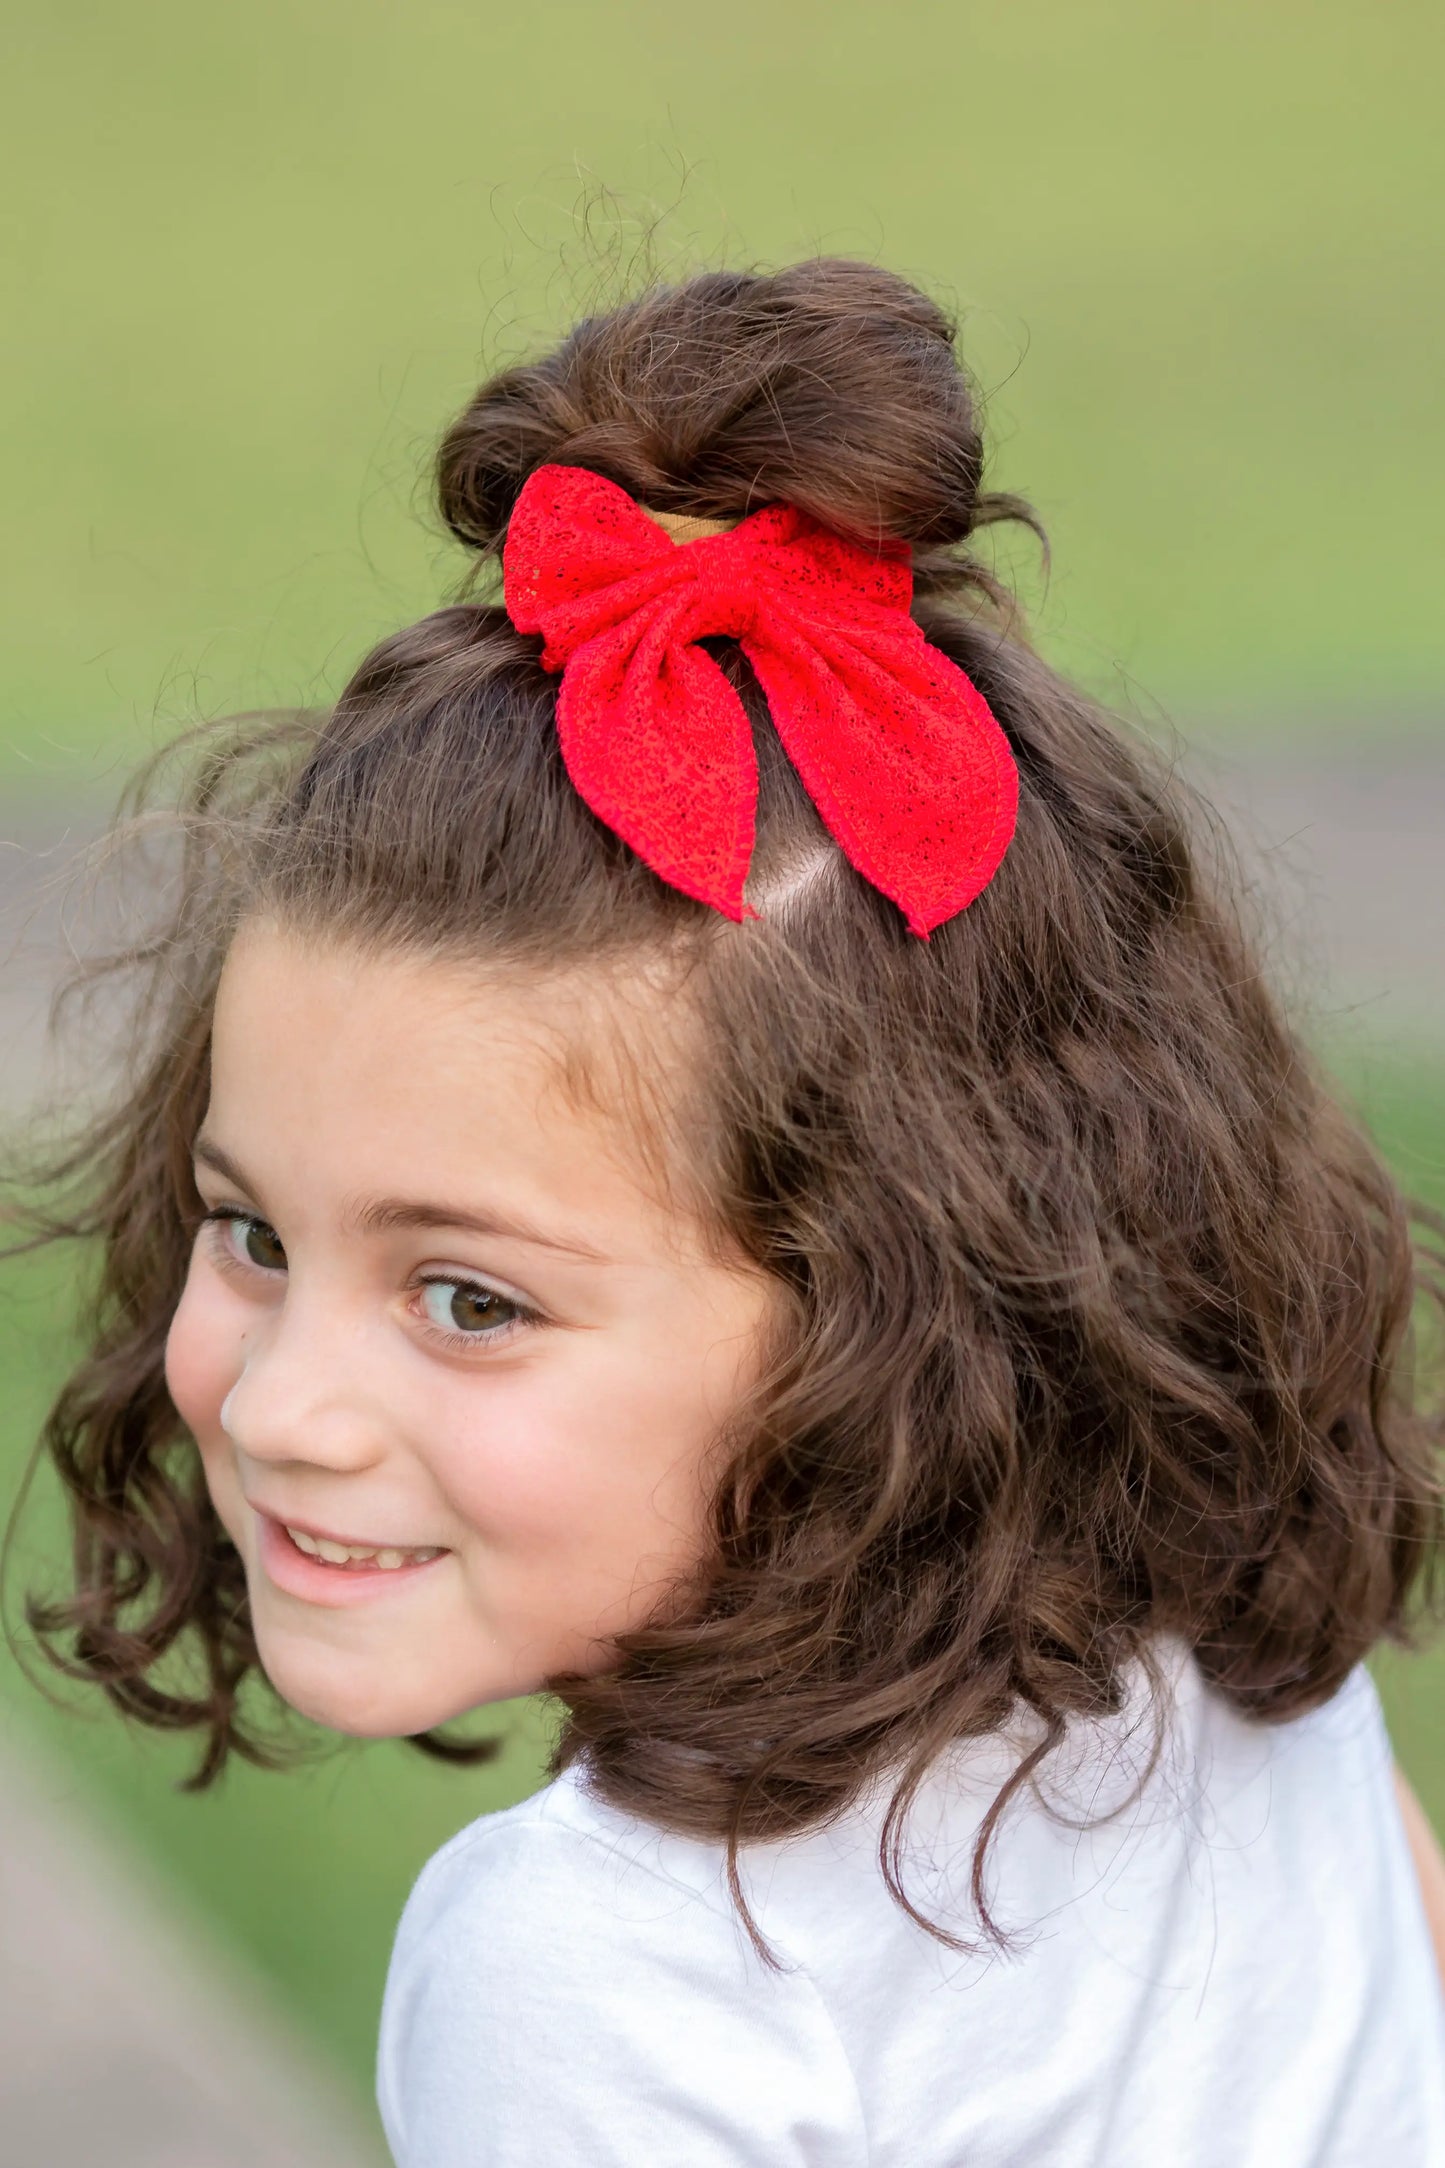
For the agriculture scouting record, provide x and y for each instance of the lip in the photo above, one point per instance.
(316, 1582)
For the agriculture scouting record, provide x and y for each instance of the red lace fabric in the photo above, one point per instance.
(896, 746)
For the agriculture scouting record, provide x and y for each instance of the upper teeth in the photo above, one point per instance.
(344, 1554)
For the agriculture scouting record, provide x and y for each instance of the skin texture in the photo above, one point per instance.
(557, 1445)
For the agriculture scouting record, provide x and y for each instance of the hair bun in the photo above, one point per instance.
(831, 385)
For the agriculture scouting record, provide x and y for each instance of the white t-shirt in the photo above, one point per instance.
(1235, 1970)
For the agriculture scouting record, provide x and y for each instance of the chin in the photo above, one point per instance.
(350, 1699)
(344, 1693)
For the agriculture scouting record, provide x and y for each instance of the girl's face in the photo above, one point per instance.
(440, 1314)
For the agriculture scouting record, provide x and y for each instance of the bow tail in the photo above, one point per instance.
(901, 755)
(659, 745)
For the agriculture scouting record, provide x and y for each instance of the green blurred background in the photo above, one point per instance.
(255, 258)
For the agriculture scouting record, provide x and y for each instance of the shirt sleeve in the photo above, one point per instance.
(551, 2001)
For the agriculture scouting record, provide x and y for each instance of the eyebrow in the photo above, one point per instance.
(382, 1215)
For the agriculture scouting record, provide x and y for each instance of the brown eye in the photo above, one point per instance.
(249, 1241)
(262, 1246)
(458, 1306)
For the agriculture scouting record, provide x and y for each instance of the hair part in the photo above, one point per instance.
(1099, 1305)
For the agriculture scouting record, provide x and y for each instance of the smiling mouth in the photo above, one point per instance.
(350, 1556)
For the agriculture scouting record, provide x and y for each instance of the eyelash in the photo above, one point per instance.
(226, 1216)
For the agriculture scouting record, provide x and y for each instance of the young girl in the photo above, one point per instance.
(705, 1146)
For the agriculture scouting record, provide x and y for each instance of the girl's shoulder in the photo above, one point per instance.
(560, 1969)
(1169, 1775)
(1186, 1891)
(573, 1854)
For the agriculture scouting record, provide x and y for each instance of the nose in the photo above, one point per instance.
(306, 1394)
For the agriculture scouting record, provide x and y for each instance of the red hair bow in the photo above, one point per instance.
(896, 746)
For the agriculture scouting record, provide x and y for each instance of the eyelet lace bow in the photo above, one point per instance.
(896, 746)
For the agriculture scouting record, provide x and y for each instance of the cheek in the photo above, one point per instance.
(203, 1354)
(593, 1464)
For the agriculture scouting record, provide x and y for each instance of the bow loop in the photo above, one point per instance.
(895, 744)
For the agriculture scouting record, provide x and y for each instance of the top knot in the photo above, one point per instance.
(831, 385)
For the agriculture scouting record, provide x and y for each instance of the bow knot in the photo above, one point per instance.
(724, 590)
(895, 744)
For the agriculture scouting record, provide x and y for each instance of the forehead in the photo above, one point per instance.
(387, 1069)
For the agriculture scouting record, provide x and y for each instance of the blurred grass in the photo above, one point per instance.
(305, 1871)
(1403, 1101)
(255, 258)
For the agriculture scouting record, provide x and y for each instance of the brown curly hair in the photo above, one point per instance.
(1101, 1305)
